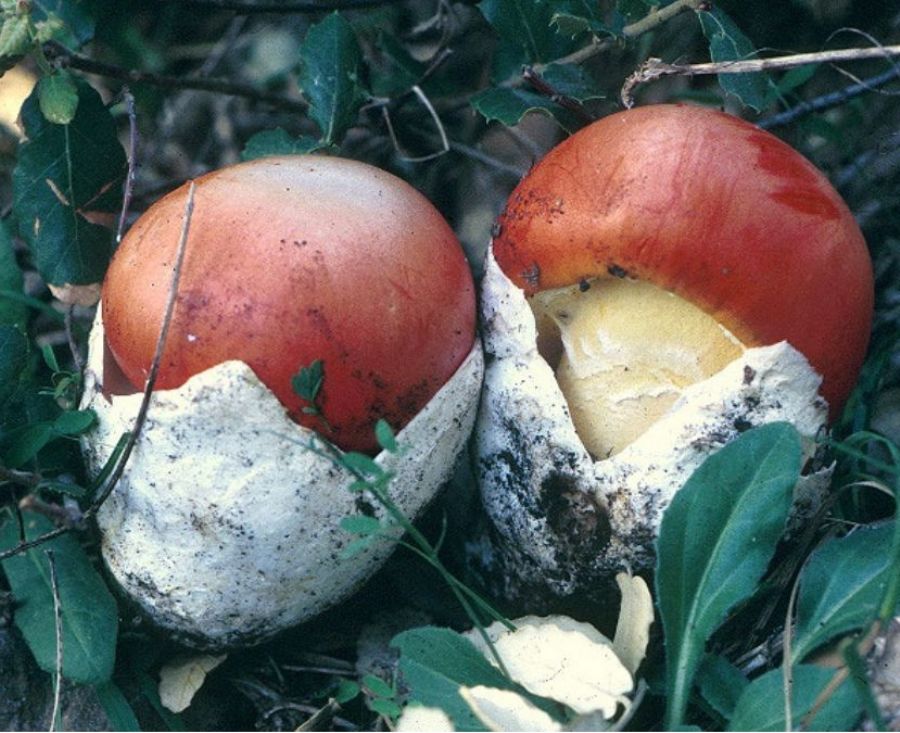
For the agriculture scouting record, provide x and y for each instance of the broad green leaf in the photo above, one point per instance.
(572, 81)
(64, 173)
(27, 442)
(761, 706)
(74, 422)
(842, 586)
(330, 76)
(15, 32)
(435, 663)
(509, 106)
(396, 71)
(58, 97)
(728, 43)
(526, 33)
(13, 360)
(88, 610)
(715, 542)
(278, 142)
(13, 311)
(585, 18)
(721, 684)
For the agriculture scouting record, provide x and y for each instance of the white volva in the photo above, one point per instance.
(605, 512)
(225, 526)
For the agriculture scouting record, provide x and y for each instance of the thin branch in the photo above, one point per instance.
(311, 6)
(20, 478)
(788, 663)
(544, 88)
(132, 157)
(70, 338)
(57, 620)
(655, 68)
(66, 59)
(827, 101)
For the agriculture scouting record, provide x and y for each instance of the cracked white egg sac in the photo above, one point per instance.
(225, 527)
(562, 519)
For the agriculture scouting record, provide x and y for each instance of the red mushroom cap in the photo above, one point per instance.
(295, 259)
(710, 207)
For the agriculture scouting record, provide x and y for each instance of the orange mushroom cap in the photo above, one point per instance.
(294, 259)
(711, 208)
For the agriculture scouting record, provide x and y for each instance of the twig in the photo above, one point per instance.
(133, 436)
(57, 619)
(20, 478)
(70, 338)
(71, 60)
(445, 143)
(321, 716)
(325, 6)
(132, 157)
(655, 68)
(827, 101)
(543, 87)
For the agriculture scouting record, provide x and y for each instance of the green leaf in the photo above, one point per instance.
(330, 76)
(388, 708)
(728, 43)
(88, 610)
(360, 524)
(359, 545)
(118, 711)
(721, 684)
(385, 436)
(15, 32)
(632, 10)
(509, 106)
(308, 381)
(278, 142)
(761, 707)
(396, 71)
(74, 422)
(842, 586)
(70, 22)
(64, 172)
(27, 443)
(377, 686)
(13, 360)
(58, 97)
(715, 542)
(572, 81)
(435, 663)
(526, 32)
(585, 20)
(362, 464)
(13, 312)
(346, 691)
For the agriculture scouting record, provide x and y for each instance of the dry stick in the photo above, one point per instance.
(827, 101)
(132, 152)
(70, 338)
(57, 619)
(133, 436)
(68, 59)
(654, 68)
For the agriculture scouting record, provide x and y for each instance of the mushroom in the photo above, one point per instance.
(225, 527)
(664, 279)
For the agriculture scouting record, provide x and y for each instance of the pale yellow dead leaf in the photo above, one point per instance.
(85, 295)
(563, 659)
(635, 619)
(15, 85)
(505, 710)
(180, 679)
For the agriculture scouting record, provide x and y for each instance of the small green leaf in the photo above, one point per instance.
(572, 81)
(761, 706)
(377, 686)
(15, 33)
(278, 142)
(715, 542)
(118, 711)
(308, 381)
(88, 610)
(358, 545)
(721, 684)
(63, 173)
(360, 524)
(330, 76)
(527, 33)
(58, 97)
(842, 586)
(728, 43)
(385, 436)
(13, 360)
(388, 708)
(74, 422)
(362, 464)
(346, 691)
(69, 22)
(509, 106)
